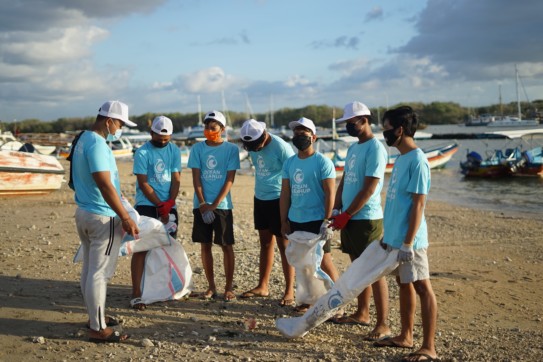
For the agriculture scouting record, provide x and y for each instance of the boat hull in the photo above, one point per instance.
(24, 173)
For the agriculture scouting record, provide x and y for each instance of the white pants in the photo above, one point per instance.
(100, 241)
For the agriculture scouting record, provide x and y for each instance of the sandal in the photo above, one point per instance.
(110, 322)
(286, 302)
(229, 296)
(302, 308)
(114, 337)
(137, 304)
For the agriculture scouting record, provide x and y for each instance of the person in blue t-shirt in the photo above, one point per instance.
(100, 216)
(307, 192)
(157, 166)
(361, 221)
(268, 153)
(405, 229)
(214, 163)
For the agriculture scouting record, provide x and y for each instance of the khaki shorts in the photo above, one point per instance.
(416, 270)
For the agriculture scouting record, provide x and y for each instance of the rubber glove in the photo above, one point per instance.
(165, 207)
(325, 232)
(339, 221)
(208, 216)
(335, 212)
(406, 253)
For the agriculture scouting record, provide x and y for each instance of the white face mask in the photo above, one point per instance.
(114, 137)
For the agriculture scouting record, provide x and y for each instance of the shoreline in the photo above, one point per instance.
(485, 269)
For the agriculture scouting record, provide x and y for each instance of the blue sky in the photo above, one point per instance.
(64, 58)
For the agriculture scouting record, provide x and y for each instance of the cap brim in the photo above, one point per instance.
(342, 120)
(129, 123)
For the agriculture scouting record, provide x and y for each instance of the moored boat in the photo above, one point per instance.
(23, 173)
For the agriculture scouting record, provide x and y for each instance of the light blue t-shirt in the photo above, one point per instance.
(268, 164)
(363, 160)
(92, 154)
(306, 191)
(410, 175)
(214, 163)
(158, 164)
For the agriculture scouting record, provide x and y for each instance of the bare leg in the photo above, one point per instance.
(267, 243)
(288, 272)
(229, 264)
(380, 296)
(328, 266)
(207, 262)
(137, 266)
(429, 317)
(362, 313)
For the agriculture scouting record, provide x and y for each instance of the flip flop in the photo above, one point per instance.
(389, 342)
(286, 302)
(229, 296)
(114, 337)
(110, 322)
(376, 337)
(302, 308)
(251, 294)
(348, 321)
(427, 357)
(206, 296)
(137, 304)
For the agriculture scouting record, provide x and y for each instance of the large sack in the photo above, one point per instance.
(167, 274)
(373, 264)
(304, 252)
(153, 234)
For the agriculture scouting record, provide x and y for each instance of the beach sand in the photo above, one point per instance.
(486, 269)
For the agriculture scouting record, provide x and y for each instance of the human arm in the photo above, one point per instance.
(109, 193)
(225, 189)
(415, 218)
(284, 205)
(338, 203)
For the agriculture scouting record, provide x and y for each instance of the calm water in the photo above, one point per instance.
(512, 194)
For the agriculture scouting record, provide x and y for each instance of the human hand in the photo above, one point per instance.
(130, 227)
(326, 233)
(208, 216)
(285, 229)
(406, 253)
(164, 207)
(339, 221)
(336, 212)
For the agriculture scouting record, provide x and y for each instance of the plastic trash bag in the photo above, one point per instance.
(374, 263)
(153, 233)
(304, 252)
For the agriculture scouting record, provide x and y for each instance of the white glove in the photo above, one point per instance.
(326, 233)
(208, 217)
(406, 253)
(335, 212)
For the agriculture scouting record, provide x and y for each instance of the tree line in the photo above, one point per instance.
(431, 113)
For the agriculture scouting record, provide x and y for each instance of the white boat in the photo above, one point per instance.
(23, 173)
(121, 148)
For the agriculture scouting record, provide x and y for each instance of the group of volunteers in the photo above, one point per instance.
(293, 192)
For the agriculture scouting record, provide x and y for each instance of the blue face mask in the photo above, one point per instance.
(114, 137)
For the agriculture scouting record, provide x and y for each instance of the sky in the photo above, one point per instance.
(64, 58)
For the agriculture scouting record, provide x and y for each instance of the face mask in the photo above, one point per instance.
(351, 130)
(301, 142)
(159, 144)
(114, 137)
(212, 136)
(390, 136)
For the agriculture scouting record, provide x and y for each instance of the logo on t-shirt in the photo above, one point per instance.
(261, 169)
(350, 176)
(260, 162)
(352, 161)
(211, 162)
(160, 166)
(298, 176)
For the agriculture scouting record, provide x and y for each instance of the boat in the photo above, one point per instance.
(121, 148)
(438, 156)
(511, 162)
(23, 173)
(482, 120)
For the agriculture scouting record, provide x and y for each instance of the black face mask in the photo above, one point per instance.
(159, 144)
(351, 129)
(301, 142)
(390, 136)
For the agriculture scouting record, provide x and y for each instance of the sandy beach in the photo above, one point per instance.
(486, 269)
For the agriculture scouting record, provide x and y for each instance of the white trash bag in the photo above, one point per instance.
(304, 252)
(373, 264)
(153, 234)
(167, 274)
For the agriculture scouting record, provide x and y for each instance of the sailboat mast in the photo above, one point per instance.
(518, 95)
(199, 111)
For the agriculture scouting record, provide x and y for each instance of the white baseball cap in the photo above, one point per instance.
(162, 125)
(251, 130)
(354, 109)
(117, 110)
(304, 122)
(216, 116)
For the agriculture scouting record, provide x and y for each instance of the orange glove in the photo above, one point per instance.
(339, 222)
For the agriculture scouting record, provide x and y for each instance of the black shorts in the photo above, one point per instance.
(222, 227)
(151, 211)
(267, 216)
(311, 227)
(359, 234)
